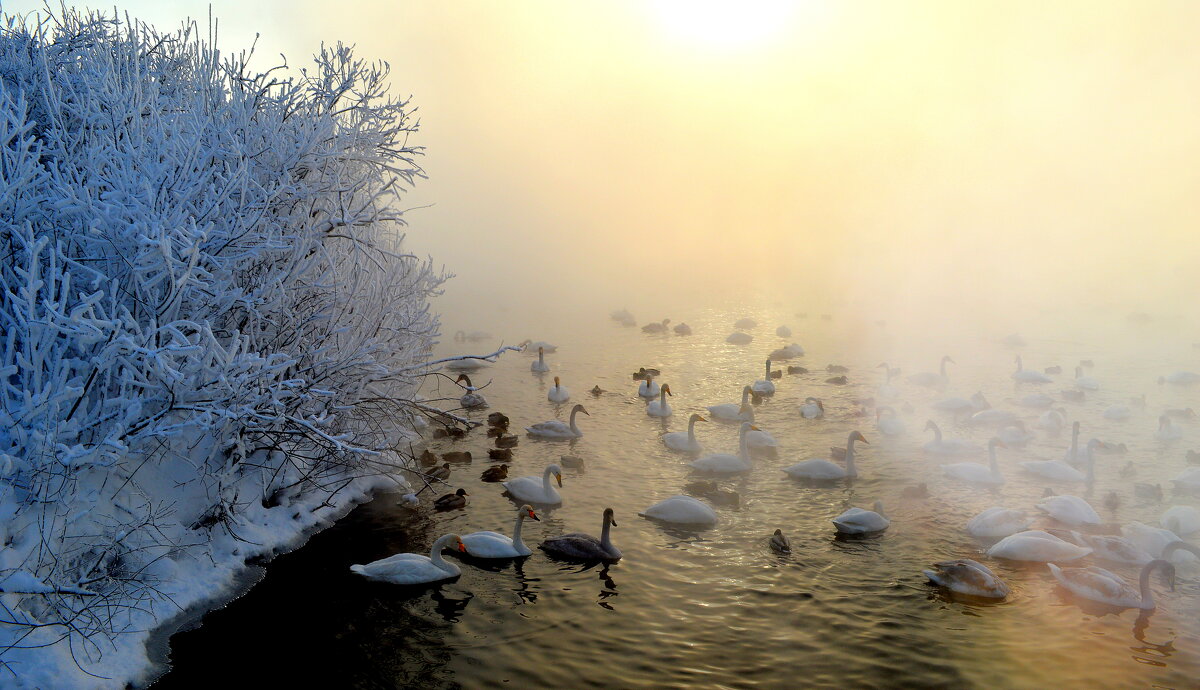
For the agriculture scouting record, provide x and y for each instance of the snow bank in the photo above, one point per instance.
(210, 336)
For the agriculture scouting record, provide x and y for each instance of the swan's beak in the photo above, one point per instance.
(701, 419)
(534, 516)
(668, 390)
(1001, 444)
(754, 428)
(558, 477)
(461, 546)
(585, 412)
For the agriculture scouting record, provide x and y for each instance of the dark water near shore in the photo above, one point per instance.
(717, 607)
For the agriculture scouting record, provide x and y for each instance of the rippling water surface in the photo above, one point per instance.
(717, 607)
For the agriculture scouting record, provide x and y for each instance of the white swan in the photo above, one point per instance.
(467, 364)
(1098, 584)
(528, 345)
(756, 437)
(993, 416)
(682, 510)
(948, 446)
(1117, 412)
(1108, 547)
(889, 424)
(682, 329)
(656, 327)
(534, 490)
(1023, 375)
(413, 568)
(765, 386)
(976, 403)
(1154, 541)
(932, 380)
(812, 408)
(1182, 520)
(997, 522)
(1015, 434)
(783, 332)
(1188, 480)
(1085, 383)
(1181, 378)
(1069, 510)
(975, 472)
(731, 412)
(685, 442)
(724, 462)
(540, 366)
(745, 323)
(1051, 420)
(1059, 471)
(581, 546)
(558, 393)
(1036, 545)
(488, 544)
(1167, 430)
(860, 521)
(820, 468)
(623, 317)
(648, 388)
(739, 338)
(788, 352)
(660, 408)
(886, 390)
(966, 576)
(556, 429)
(470, 399)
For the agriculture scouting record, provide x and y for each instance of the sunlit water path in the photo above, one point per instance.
(718, 607)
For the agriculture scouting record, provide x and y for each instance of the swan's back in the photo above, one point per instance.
(580, 546)
(402, 568)
(816, 468)
(721, 462)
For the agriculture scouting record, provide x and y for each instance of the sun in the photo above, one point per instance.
(725, 23)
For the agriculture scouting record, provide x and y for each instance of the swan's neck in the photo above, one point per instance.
(692, 430)
(435, 555)
(745, 395)
(662, 398)
(516, 538)
(743, 448)
(1144, 582)
(992, 460)
(547, 487)
(1018, 364)
(943, 368)
(1173, 546)
(604, 535)
(768, 377)
(850, 468)
(1074, 442)
(541, 357)
(574, 429)
(1091, 464)
(937, 433)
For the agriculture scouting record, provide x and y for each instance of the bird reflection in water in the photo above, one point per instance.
(1149, 653)
(449, 608)
(609, 589)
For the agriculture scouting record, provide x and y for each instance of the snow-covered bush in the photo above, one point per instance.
(209, 331)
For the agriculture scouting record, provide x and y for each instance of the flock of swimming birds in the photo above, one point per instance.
(1078, 534)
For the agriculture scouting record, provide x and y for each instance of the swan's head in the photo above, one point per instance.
(527, 511)
(947, 359)
(882, 365)
(464, 377)
(857, 436)
(1078, 372)
(1189, 413)
(747, 390)
(458, 543)
(608, 517)
(525, 343)
(997, 443)
(666, 389)
(579, 408)
(1163, 421)
(1074, 426)
(541, 350)
(556, 382)
(931, 425)
(1096, 443)
(698, 418)
(1048, 492)
(557, 472)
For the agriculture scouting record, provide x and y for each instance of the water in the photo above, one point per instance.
(717, 607)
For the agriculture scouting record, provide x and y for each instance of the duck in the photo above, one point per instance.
(745, 324)
(660, 327)
(780, 542)
(783, 332)
(731, 412)
(1055, 369)
(540, 366)
(1036, 545)
(1167, 430)
(643, 373)
(471, 399)
(557, 430)
(486, 544)
(947, 446)
(837, 369)
(915, 491)
(1059, 471)
(597, 391)
(682, 510)
(932, 380)
(498, 419)
(685, 442)
(660, 408)
(997, 522)
(458, 499)
(413, 568)
(724, 462)
(623, 317)
(1127, 471)
(1069, 510)
(648, 388)
(572, 461)
(757, 438)
(1153, 492)
(1180, 413)
(860, 521)
(797, 370)
(1015, 434)
(442, 473)
(1097, 584)
(528, 345)
(1022, 375)
(822, 469)
(837, 380)
(1112, 501)
(969, 577)
(887, 422)
(787, 352)
(1086, 383)
(683, 329)
(1182, 520)
(764, 386)
(558, 393)
(579, 546)
(812, 408)
(739, 338)
(533, 490)
(1072, 395)
(975, 472)
(495, 474)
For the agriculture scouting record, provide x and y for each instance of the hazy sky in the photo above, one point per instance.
(877, 156)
